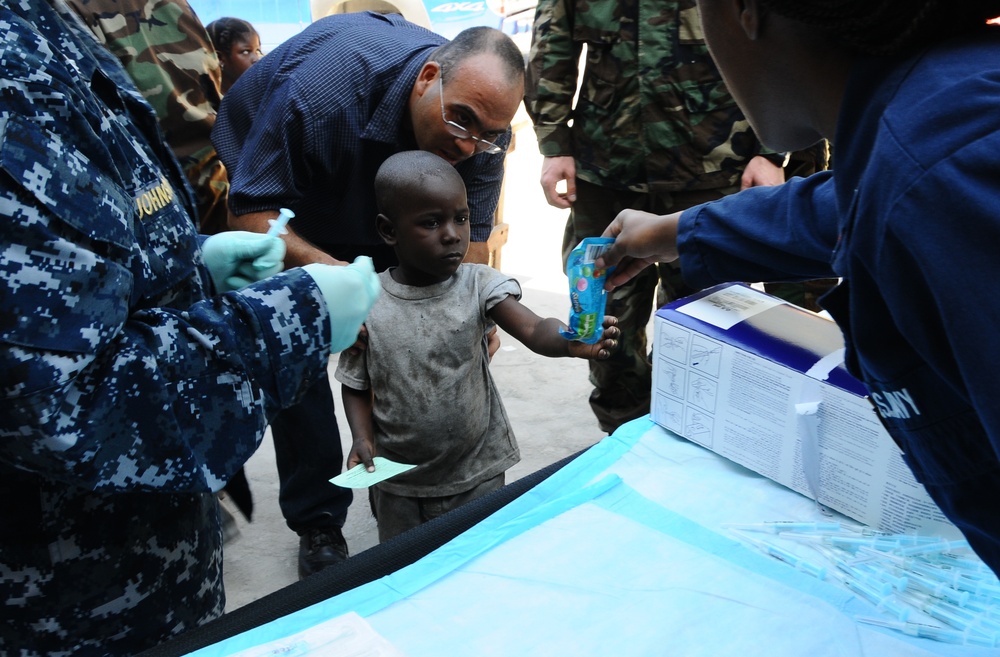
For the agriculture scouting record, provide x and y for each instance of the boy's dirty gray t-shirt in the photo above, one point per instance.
(436, 404)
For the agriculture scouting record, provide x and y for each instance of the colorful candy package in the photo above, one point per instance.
(586, 290)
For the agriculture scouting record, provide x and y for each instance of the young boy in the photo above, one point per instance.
(422, 392)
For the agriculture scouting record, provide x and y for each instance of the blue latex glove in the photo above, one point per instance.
(349, 293)
(237, 258)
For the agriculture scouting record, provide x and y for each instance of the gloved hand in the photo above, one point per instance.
(237, 258)
(349, 293)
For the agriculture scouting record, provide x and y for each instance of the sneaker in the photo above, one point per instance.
(320, 547)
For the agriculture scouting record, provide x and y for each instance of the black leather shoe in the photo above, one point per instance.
(319, 548)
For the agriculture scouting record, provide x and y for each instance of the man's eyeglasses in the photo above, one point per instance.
(460, 131)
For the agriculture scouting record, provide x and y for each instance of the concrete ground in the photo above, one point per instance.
(545, 398)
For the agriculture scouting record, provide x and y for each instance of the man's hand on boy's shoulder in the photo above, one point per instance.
(361, 344)
(601, 349)
(492, 342)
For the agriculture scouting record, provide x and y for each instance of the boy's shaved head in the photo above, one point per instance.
(403, 173)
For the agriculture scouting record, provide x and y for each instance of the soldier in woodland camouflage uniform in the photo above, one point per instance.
(654, 129)
(168, 54)
(129, 393)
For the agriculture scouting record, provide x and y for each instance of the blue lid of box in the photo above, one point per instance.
(781, 333)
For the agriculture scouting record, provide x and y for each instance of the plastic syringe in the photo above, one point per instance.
(845, 542)
(970, 624)
(939, 609)
(962, 562)
(887, 603)
(932, 632)
(930, 548)
(819, 572)
(778, 526)
(878, 585)
(278, 225)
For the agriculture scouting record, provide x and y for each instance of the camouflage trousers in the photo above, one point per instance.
(208, 178)
(622, 383)
(805, 294)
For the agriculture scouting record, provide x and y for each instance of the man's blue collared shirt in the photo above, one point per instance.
(308, 126)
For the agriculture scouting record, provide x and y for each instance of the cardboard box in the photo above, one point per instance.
(757, 380)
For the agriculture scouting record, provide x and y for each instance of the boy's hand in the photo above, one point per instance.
(362, 451)
(601, 349)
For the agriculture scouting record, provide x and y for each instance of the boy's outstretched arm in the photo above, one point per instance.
(358, 406)
(542, 335)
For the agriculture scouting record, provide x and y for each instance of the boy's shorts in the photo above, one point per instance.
(397, 513)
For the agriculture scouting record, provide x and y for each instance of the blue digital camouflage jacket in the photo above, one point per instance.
(130, 393)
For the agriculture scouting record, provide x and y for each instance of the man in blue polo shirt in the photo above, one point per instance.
(307, 128)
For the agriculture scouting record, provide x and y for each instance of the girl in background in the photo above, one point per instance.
(238, 46)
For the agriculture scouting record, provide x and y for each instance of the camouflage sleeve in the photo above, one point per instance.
(551, 79)
(101, 395)
(168, 54)
(116, 371)
(170, 57)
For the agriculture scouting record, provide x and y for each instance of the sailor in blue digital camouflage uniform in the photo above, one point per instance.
(131, 390)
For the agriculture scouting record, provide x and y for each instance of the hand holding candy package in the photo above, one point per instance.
(586, 290)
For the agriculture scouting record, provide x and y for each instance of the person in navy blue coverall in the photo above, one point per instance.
(908, 91)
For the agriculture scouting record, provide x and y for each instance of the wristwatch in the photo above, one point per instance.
(777, 159)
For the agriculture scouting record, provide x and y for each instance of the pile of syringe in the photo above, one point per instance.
(924, 586)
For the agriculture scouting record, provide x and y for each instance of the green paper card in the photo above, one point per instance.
(358, 477)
